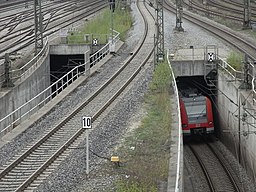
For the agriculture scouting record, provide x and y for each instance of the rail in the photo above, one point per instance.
(236, 75)
(251, 78)
(28, 68)
(88, 38)
(240, 76)
(233, 73)
(31, 66)
(179, 171)
(31, 106)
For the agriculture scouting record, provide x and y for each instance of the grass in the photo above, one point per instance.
(235, 60)
(146, 149)
(101, 24)
(147, 164)
(227, 22)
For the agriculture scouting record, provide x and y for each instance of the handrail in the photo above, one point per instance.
(22, 72)
(253, 91)
(34, 59)
(237, 75)
(178, 180)
(25, 109)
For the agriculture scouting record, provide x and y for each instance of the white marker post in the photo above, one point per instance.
(87, 124)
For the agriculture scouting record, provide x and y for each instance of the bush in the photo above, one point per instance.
(235, 60)
(101, 24)
(147, 164)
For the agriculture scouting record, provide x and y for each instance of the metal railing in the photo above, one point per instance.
(236, 75)
(32, 65)
(252, 74)
(28, 68)
(240, 76)
(2, 74)
(88, 38)
(31, 106)
(178, 186)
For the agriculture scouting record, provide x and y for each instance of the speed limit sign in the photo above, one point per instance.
(87, 122)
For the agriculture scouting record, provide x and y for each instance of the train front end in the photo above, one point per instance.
(196, 115)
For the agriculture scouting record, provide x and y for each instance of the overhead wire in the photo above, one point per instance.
(239, 107)
(225, 122)
(199, 86)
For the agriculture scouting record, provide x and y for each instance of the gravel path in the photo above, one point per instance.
(70, 175)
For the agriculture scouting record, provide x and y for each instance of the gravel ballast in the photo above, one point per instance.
(70, 175)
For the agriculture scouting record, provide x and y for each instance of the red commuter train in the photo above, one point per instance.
(196, 115)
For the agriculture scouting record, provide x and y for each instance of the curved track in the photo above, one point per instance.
(18, 31)
(216, 173)
(224, 33)
(28, 169)
(228, 10)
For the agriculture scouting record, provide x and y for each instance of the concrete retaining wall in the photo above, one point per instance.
(248, 136)
(12, 98)
(188, 68)
(63, 49)
(227, 99)
(237, 121)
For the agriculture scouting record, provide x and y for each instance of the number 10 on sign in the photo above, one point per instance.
(87, 122)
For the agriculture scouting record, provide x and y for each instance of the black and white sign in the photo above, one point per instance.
(95, 41)
(87, 122)
(210, 57)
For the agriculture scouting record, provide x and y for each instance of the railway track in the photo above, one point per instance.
(246, 46)
(235, 39)
(227, 10)
(217, 175)
(27, 170)
(8, 23)
(9, 6)
(59, 17)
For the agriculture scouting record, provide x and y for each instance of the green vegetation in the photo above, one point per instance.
(100, 26)
(229, 23)
(146, 149)
(235, 60)
(249, 33)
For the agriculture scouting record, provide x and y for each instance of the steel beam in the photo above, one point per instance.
(247, 15)
(38, 25)
(179, 13)
(160, 31)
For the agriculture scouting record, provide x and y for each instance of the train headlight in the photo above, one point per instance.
(210, 122)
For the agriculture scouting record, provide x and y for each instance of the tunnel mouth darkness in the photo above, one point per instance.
(60, 65)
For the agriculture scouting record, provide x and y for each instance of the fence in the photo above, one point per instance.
(241, 76)
(30, 107)
(176, 183)
(28, 68)
(236, 75)
(93, 39)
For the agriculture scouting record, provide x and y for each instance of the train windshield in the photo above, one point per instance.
(196, 109)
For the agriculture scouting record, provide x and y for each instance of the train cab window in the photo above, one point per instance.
(196, 110)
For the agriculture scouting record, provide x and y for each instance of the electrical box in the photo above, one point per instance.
(115, 159)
